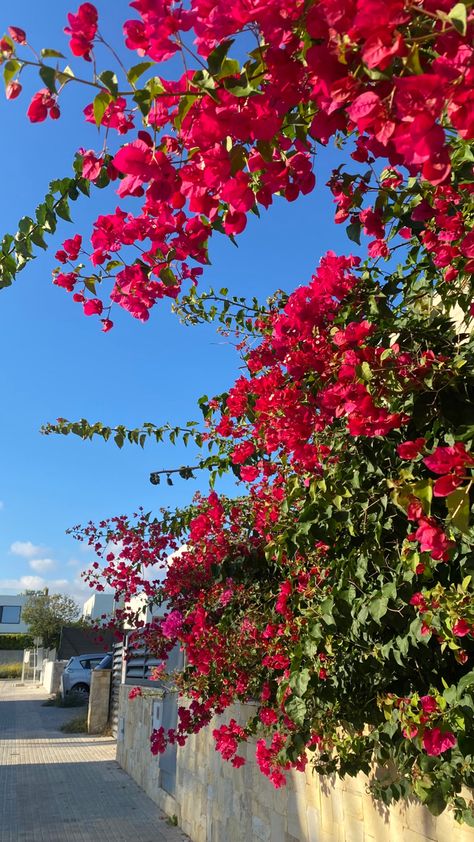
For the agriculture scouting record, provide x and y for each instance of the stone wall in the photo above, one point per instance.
(216, 803)
(99, 701)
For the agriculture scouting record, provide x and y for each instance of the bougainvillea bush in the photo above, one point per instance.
(335, 591)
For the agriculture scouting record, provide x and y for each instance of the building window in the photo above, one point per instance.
(10, 613)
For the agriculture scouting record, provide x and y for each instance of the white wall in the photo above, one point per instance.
(98, 604)
(13, 628)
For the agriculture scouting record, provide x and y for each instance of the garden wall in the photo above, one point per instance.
(214, 802)
(11, 656)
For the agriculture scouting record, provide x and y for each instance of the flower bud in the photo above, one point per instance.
(13, 90)
(16, 34)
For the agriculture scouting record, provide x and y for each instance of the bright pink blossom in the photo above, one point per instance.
(461, 628)
(16, 34)
(82, 29)
(411, 449)
(93, 307)
(436, 741)
(12, 90)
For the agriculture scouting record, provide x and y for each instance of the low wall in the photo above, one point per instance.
(11, 656)
(99, 701)
(216, 803)
(52, 672)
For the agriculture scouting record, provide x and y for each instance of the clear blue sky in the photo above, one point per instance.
(56, 362)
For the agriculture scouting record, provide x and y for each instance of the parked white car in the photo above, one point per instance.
(76, 677)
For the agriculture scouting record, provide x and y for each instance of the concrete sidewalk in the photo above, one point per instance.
(57, 787)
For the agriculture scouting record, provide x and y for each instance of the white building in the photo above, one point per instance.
(11, 606)
(97, 605)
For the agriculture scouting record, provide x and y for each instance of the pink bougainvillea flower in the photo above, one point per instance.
(13, 90)
(242, 452)
(66, 280)
(419, 601)
(445, 459)
(410, 449)
(410, 731)
(91, 165)
(6, 48)
(234, 222)
(172, 624)
(461, 628)
(107, 325)
(436, 741)
(41, 104)
(82, 29)
(446, 485)
(73, 246)
(16, 34)
(93, 307)
(432, 539)
(428, 704)
(135, 692)
(415, 509)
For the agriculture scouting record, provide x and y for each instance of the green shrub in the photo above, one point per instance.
(16, 641)
(10, 670)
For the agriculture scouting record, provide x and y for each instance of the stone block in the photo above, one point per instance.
(261, 829)
(296, 813)
(326, 810)
(412, 836)
(418, 819)
(313, 823)
(449, 829)
(352, 803)
(278, 827)
(337, 799)
(353, 830)
(375, 818)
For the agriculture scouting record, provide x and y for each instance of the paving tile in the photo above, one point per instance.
(57, 787)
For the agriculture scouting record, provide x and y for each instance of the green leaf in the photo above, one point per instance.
(143, 100)
(459, 508)
(155, 86)
(296, 710)
(89, 284)
(64, 76)
(48, 75)
(109, 81)
(138, 70)
(101, 102)
(168, 277)
(45, 53)
(37, 238)
(241, 87)
(378, 608)
(215, 59)
(423, 490)
(458, 17)
(62, 210)
(435, 801)
(10, 70)
(299, 682)
(353, 232)
(366, 371)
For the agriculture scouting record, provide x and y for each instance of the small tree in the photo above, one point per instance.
(45, 614)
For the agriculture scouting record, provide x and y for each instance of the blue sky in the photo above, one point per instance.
(56, 362)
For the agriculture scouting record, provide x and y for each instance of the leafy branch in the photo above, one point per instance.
(121, 434)
(16, 250)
